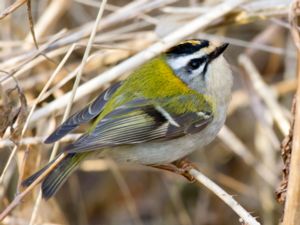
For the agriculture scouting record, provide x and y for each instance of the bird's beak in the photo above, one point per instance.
(218, 51)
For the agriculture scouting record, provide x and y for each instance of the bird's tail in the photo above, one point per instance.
(56, 178)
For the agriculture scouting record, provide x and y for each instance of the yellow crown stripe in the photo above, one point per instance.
(193, 42)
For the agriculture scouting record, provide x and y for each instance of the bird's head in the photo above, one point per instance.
(201, 65)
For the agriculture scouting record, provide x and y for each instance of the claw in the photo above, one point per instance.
(185, 165)
(180, 167)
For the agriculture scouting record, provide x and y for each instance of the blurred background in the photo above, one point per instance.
(245, 159)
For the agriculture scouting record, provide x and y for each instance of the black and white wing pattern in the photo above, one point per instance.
(141, 121)
(86, 114)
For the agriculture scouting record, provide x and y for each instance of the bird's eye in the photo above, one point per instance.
(195, 63)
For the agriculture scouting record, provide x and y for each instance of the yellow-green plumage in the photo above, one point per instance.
(156, 80)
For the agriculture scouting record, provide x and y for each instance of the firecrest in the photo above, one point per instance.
(166, 109)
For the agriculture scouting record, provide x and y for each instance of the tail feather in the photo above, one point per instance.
(29, 180)
(57, 177)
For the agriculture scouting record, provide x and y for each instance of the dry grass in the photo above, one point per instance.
(37, 83)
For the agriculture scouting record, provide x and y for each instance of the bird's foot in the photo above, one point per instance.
(184, 165)
(180, 167)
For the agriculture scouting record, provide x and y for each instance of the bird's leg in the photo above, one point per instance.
(180, 167)
(185, 165)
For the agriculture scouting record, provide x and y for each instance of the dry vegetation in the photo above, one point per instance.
(247, 160)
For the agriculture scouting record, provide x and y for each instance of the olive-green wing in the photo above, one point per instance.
(86, 114)
(143, 121)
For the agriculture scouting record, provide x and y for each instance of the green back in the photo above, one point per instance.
(154, 80)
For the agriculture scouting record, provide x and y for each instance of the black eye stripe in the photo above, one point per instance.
(196, 63)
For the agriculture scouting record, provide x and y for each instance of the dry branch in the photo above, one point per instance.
(49, 18)
(225, 197)
(292, 205)
(12, 8)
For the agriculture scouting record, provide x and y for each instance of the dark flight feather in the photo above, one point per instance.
(86, 114)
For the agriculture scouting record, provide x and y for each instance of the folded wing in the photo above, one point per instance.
(143, 121)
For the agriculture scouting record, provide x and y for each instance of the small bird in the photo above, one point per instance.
(166, 109)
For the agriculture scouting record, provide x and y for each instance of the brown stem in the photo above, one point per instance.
(292, 205)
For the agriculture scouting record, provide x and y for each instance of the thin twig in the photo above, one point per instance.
(32, 31)
(35, 140)
(50, 16)
(224, 196)
(17, 200)
(10, 9)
